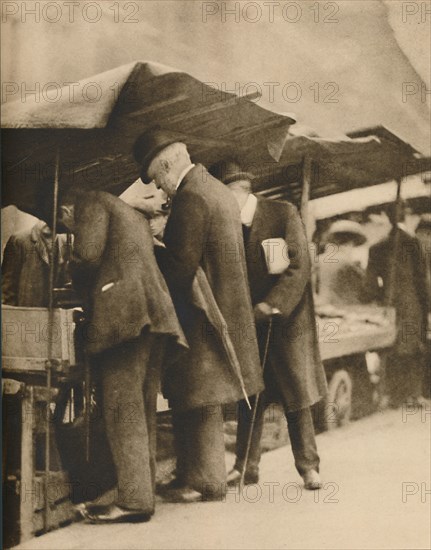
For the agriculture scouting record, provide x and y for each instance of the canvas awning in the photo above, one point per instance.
(94, 124)
(339, 165)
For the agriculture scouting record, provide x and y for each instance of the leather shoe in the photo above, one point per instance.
(114, 514)
(172, 485)
(312, 480)
(234, 478)
(184, 494)
(188, 495)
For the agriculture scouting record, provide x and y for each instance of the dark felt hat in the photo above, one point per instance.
(425, 222)
(149, 144)
(342, 231)
(228, 171)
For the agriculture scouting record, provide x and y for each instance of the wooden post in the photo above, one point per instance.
(394, 258)
(52, 270)
(307, 165)
(28, 485)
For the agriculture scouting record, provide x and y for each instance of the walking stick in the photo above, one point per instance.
(255, 405)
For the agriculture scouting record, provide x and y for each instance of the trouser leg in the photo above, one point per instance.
(151, 388)
(243, 433)
(200, 446)
(404, 377)
(414, 370)
(395, 380)
(128, 416)
(303, 440)
(245, 416)
(179, 427)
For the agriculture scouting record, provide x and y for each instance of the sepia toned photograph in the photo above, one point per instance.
(216, 274)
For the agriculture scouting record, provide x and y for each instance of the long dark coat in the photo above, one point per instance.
(409, 296)
(115, 267)
(204, 229)
(293, 351)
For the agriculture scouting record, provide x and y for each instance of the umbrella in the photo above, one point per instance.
(94, 123)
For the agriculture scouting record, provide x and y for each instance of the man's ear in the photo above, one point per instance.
(165, 165)
(65, 212)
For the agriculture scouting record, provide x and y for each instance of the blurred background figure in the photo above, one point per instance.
(396, 276)
(340, 271)
(26, 264)
(423, 233)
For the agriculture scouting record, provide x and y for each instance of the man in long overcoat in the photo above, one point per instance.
(396, 276)
(132, 328)
(203, 234)
(279, 282)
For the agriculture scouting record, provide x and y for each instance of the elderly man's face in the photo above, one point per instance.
(160, 171)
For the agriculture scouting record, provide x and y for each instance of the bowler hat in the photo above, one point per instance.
(425, 222)
(149, 144)
(347, 230)
(228, 171)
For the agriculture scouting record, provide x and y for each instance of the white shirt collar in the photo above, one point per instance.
(183, 174)
(248, 210)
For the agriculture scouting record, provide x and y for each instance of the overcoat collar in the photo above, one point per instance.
(198, 171)
(41, 241)
(258, 221)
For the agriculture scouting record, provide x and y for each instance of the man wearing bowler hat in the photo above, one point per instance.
(203, 235)
(279, 272)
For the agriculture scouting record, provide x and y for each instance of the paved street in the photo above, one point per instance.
(377, 472)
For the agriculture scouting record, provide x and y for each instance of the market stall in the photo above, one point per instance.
(61, 144)
(86, 141)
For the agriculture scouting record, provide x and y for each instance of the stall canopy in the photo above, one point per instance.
(367, 158)
(91, 125)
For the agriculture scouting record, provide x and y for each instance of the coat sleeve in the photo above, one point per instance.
(185, 239)
(286, 294)
(11, 268)
(92, 222)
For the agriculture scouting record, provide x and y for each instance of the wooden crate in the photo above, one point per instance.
(19, 527)
(24, 497)
(31, 335)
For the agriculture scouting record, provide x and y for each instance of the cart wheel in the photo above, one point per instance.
(339, 401)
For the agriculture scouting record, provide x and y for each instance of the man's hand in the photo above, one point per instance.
(262, 312)
(143, 205)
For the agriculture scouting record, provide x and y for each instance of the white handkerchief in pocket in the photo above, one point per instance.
(276, 255)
